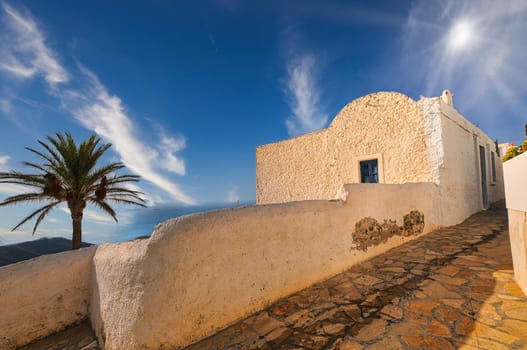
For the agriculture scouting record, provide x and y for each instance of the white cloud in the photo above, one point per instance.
(91, 214)
(233, 196)
(304, 97)
(150, 200)
(25, 52)
(92, 105)
(3, 162)
(169, 146)
(98, 110)
(10, 189)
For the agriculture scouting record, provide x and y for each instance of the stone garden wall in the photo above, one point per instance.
(200, 273)
(43, 295)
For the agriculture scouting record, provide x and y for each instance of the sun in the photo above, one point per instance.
(461, 35)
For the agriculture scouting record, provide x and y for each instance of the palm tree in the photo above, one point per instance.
(69, 174)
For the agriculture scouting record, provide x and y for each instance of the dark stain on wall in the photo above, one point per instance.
(369, 232)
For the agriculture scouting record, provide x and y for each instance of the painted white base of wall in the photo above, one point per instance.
(200, 273)
(43, 295)
(518, 238)
(515, 175)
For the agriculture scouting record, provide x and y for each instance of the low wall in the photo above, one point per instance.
(515, 173)
(41, 296)
(200, 273)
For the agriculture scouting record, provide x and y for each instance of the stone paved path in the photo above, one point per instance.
(449, 289)
(79, 337)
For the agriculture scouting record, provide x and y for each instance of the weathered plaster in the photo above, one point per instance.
(425, 141)
(202, 272)
(43, 295)
(369, 232)
(433, 136)
(314, 166)
(460, 175)
(515, 171)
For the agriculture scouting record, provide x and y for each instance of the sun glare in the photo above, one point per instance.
(461, 35)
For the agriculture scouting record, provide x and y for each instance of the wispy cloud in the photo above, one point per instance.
(92, 105)
(3, 162)
(303, 94)
(9, 189)
(25, 52)
(169, 146)
(91, 214)
(96, 109)
(233, 196)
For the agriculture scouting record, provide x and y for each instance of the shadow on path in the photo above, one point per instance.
(449, 289)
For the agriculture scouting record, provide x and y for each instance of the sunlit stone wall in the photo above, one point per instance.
(388, 126)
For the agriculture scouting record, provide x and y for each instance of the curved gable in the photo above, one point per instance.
(379, 105)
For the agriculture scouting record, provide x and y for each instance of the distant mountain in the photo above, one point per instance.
(13, 253)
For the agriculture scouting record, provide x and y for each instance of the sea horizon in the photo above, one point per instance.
(142, 225)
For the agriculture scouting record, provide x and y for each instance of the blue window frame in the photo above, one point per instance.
(369, 171)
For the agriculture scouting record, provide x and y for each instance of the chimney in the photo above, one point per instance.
(447, 97)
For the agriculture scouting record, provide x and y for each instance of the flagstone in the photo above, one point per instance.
(407, 328)
(515, 309)
(346, 344)
(423, 307)
(431, 343)
(514, 327)
(392, 311)
(438, 328)
(449, 270)
(373, 330)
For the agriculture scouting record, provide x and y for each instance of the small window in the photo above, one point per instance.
(493, 167)
(369, 171)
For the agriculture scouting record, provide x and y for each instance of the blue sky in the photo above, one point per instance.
(185, 92)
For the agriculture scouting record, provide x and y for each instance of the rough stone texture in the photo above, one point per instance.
(398, 300)
(79, 337)
(368, 232)
(314, 166)
(413, 223)
(200, 273)
(424, 141)
(43, 295)
(404, 302)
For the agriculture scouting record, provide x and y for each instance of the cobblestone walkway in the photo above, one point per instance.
(449, 289)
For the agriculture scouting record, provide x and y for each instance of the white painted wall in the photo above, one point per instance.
(389, 126)
(515, 173)
(423, 141)
(200, 273)
(43, 295)
(460, 174)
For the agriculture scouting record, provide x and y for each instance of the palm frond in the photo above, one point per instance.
(68, 172)
(36, 166)
(24, 197)
(104, 207)
(126, 201)
(43, 215)
(38, 211)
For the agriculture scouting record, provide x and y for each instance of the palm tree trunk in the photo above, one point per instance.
(77, 231)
